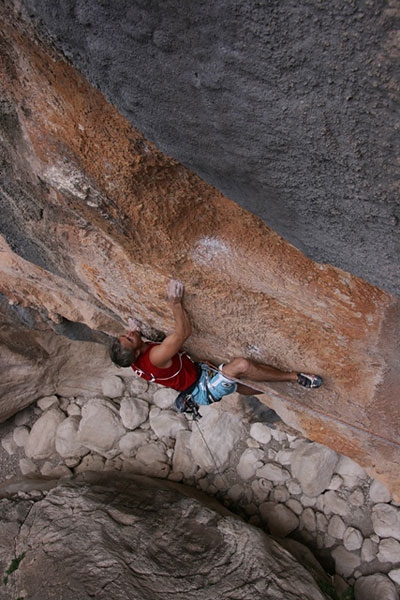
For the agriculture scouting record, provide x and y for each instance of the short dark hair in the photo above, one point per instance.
(119, 354)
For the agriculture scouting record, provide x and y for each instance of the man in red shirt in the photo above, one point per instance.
(166, 364)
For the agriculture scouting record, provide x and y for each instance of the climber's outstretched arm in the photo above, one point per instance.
(161, 355)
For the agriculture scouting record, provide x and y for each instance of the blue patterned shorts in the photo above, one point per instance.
(211, 386)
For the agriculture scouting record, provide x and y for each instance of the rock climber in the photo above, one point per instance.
(199, 383)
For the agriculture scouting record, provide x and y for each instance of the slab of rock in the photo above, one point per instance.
(313, 465)
(41, 442)
(333, 503)
(280, 519)
(152, 453)
(116, 517)
(352, 539)
(140, 388)
(164, 397)
(21, 435)
(48, 402)
(394, 575)
(386, 521)
(112, 386)
(375, 587)
(389, 551)
(67, 444)
(249, 462)
(48, 469)
(27, 466)
(73, 410)
(183, 461)
(378, 492)
(9, 444)
(131, 441)
(166, 423)
(133, 412)
(261, 489)
(90, 462)
(351, 473)
(274, 472)
(100, 428)
(308, 520)
(280, 494)
(336, 527)
(345, 562)
(369, 550)
(261, 433)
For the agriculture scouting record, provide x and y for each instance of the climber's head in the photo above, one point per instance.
(125, 349)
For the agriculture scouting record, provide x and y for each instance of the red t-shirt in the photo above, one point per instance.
(179, 376)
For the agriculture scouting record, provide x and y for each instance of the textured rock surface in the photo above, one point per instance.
(133, 534)
(95, 219)
(289, 108)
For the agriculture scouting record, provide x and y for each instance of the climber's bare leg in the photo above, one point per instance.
(250, 369)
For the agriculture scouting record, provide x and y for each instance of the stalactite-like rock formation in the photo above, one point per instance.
(95, 219)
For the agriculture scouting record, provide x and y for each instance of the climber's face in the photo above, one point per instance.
(132, 340)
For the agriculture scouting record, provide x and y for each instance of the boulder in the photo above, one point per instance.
(313, 465)
(41, 442)
(386, 521)
(217, 435)
(352, 539)
(67, 444)
(131, 441)
(378, 492)
(164, 397)
(280, 519)
(274, 472)
(48, 402)
(133, 525)
(21, 435)
(166, 423)
(100, 428)
(333, 503)
(133, 412)
(375, 587)
(260, 432)
(183, 461)
(389, 551)
(250, 461)
(350, 471)
(112, 386)
(345, 562)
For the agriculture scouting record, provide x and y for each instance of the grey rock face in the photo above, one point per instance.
(144, 540)
(284, 107)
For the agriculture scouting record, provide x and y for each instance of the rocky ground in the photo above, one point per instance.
(239, 452)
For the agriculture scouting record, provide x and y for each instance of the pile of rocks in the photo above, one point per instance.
(270, 475)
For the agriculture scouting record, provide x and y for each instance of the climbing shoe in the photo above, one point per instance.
(309, 381)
